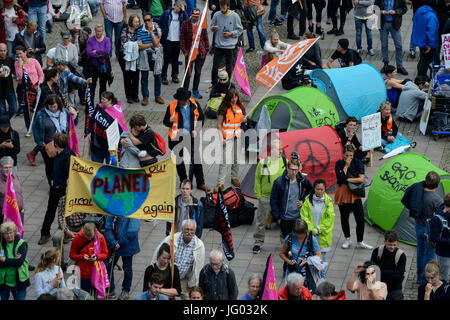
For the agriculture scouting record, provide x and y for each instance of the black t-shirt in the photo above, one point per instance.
(6, 83)
(147, 137)
(345, 58)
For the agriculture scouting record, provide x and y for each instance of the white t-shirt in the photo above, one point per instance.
(174, 28)
(11, 28)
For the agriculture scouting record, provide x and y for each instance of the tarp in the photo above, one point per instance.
(319, 150)
(355, 91)
(145, 193)
(383, 205)
(300, 108)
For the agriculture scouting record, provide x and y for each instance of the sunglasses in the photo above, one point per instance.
(147, 20)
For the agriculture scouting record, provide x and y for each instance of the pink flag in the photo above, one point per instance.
(10, 206)
(73, 138)
(99, 276)
(240, 73)
(269, 284)
(116, 112)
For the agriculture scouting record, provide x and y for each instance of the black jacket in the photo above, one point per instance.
(14, 137)
(439, 234)
(344, 139)
(220, 286)
(356, 168)
(399, 8)
(61, 168)
(167, 123)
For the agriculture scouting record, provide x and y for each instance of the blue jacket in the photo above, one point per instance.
(39, 125)
(440, 235)
(196, 212)
(166, 19)
(127, 235)
(425, 28)
(280, 192)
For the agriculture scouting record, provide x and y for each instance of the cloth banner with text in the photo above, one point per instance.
(144, 193)
(275, 70)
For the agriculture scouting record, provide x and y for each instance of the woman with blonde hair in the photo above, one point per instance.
(389, 129)
(274, 47)
(14, 274)
(435, 288)
(48, 276)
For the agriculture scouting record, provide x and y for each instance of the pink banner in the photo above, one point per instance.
(99, 276)
(270, 286)
(240, 73)
(11, 207)
(73, 138)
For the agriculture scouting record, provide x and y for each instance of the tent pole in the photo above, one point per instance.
(371, 158)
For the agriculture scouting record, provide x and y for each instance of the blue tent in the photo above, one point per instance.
(355, 91)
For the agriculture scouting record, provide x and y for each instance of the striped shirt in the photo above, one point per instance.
(144, 36)
(113, 9)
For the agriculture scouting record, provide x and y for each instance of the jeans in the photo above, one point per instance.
(109, 28)
(273, 9)
(127, 264)
(38, 14)
(10, 45)
(424, 253)
(144, 84)
(12, 103)
(260, 29)
(171, 52)
(94, 6)
(397, 37)
(444, 263)
(18, 295)
(99, 156)
(358, 25)
(197, 65)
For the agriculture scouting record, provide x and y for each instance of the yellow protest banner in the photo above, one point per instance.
(144, 193)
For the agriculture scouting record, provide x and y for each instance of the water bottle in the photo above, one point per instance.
(323, 35)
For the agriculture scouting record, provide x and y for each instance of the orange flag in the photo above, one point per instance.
(198, 33)
(275, 70)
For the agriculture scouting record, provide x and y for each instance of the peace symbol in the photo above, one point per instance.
(310, 147)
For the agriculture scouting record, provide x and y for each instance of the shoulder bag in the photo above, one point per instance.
(358, 189)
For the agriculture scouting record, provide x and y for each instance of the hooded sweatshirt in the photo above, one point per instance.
(230, 22)
(425, 28)
(409, 101)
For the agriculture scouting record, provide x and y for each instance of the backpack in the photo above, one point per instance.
(240, 216)
(358, 59)
(233, 198)
(160, 144)
(444, 225)
(265, 167)
(398, 254)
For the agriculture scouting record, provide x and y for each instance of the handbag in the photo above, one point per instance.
(261, 11)
(358, 189)
(50, 149)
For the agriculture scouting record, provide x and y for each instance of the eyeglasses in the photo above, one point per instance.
(147, 20)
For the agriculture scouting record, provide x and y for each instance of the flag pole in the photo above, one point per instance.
(61, 256)
(265, 95)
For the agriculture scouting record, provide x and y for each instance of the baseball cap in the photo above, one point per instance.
(195, 12)
(65, 34)
(4, 121)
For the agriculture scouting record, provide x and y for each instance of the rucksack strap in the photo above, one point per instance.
(398, 254)
(84, 245)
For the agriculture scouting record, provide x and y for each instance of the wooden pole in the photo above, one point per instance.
(61, 247)
(110, 273)
(371, 158)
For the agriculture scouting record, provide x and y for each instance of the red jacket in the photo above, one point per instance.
(84, 265)
(283, 293)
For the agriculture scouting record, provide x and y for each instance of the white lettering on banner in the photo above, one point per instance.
(371, 131)
(273, 72)
(446, 49)
(288, 56)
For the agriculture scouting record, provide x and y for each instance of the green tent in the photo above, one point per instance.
(300, 108)
(383, 206)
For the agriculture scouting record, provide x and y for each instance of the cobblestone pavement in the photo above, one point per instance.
(341, 262)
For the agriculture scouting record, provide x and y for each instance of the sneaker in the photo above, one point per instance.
(332, 31)
(371, 52)
(402, 71)
(164, 81)
(340, 32)
(256, 249)
(362, 245)
(283, 17)
(197, 94)
(111, 296)
(328, 20)
(359, 51)
(412, 54)
(251, 49)
(346, 243)
(311, 28)
(175, 80)
(124, 296)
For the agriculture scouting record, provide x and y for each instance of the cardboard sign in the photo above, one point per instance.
(113, 135)
(425, 116)
(371, 131)
(446, 49)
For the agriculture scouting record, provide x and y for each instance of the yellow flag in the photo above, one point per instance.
(144, 193)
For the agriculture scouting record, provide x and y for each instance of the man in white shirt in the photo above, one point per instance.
(170, 23)
(114, 14)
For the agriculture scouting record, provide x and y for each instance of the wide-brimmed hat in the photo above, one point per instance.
(182, 94)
